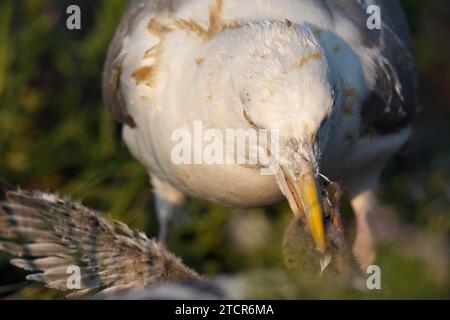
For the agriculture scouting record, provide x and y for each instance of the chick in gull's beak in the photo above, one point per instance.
(306, 202)
(300, 250)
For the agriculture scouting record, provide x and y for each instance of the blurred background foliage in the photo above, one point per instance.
(56, 135)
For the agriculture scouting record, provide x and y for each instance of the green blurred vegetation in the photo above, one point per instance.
(56, 135)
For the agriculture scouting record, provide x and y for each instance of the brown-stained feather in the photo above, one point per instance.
(199, 61)
(298, 65)
(350, 92)
(308, 58)
(157, 28)
(347, 110)
(216, 23)
(145, 75)
(215, 19)
(192, 27)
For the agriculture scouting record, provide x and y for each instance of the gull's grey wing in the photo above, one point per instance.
(391, 13)
(393, 99)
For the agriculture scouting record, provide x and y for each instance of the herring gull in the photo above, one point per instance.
(340, 95)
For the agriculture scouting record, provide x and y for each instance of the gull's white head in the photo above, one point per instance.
(285, 82)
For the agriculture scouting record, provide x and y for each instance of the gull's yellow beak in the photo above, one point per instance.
(305, 192)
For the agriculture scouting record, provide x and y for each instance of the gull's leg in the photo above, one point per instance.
(364, 205)
(361, 184)
(170, 207)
